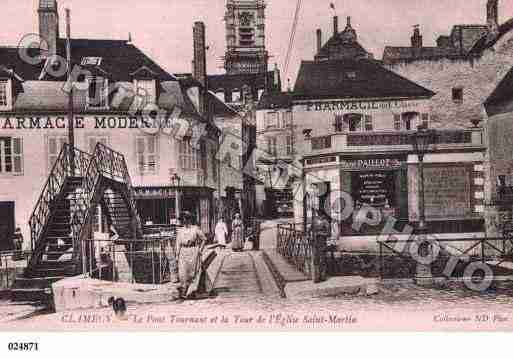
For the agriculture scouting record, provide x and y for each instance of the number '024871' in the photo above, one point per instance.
(23, 347)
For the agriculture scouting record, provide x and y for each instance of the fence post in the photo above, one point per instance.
(482, 250)
(6, 272)
(83, 245)
(381, 265)
(114, 279)
(152, 262)
(131, 249)
(91, 254)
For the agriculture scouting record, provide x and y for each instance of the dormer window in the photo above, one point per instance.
(98, 93)
(5, 95)
(147, 90)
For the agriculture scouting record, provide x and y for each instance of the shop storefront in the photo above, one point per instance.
(157, 205)
(380, 182)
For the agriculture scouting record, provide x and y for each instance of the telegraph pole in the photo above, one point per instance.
(71, 125)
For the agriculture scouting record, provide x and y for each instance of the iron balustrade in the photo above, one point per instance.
(296, 248)
(10, 263)
(495, 250)
(53, 188)
(155, 253)
(105, 163)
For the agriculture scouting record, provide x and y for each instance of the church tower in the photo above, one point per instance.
(245, 37)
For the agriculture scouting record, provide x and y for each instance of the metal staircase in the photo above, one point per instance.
(62, 218)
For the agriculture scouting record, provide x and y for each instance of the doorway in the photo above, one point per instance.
(7, 224)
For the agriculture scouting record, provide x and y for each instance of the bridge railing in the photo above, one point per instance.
(151, 260)
(494, 251)
(12, 264)
(295, 247)
(53, 187)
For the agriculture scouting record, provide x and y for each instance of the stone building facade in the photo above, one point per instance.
(463, 70)
(353, 118)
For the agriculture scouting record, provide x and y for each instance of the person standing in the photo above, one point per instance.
(18, 245)
(319, 236)
(237, 236)
(190, 241)
(221, 232)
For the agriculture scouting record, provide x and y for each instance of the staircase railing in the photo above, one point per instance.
(53, 187)
(113, 166)
(107, 163)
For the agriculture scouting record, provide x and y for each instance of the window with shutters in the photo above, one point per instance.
(98, 91)
(286, 119)
(5, 95)
(147, 91)
(190, 158)
(339, 124)
(369, 125)
(425, 120)
(203, 160)
(11, 155)
(290, 145)
(397, 122)
(55, 144)
(214, 165)
(272, 148)
(147, 154)
(271, 119)
(410, 121)
(354, 122)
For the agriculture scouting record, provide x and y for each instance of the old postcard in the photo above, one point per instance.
(256, 165)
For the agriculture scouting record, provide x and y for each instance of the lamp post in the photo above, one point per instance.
(421, 141)
(175, 181)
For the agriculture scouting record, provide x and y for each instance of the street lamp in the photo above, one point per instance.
(175, 181)
(421, 140)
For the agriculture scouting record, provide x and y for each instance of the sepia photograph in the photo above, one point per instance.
(256, 165)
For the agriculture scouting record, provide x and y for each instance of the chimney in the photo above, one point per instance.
(200, 60)
(335, 25)
(416, 39)
(492, 15)
(49, 24)
(319, 40)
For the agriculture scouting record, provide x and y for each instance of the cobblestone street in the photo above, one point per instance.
(245, 287)
(405, 304)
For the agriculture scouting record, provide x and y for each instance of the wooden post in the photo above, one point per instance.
(152, 261)
(316, 275)
(482, 250)
(381, 260)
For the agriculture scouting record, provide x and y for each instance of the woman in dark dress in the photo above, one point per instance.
(237, 238)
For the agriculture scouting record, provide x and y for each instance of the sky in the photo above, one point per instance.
(163, 28)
